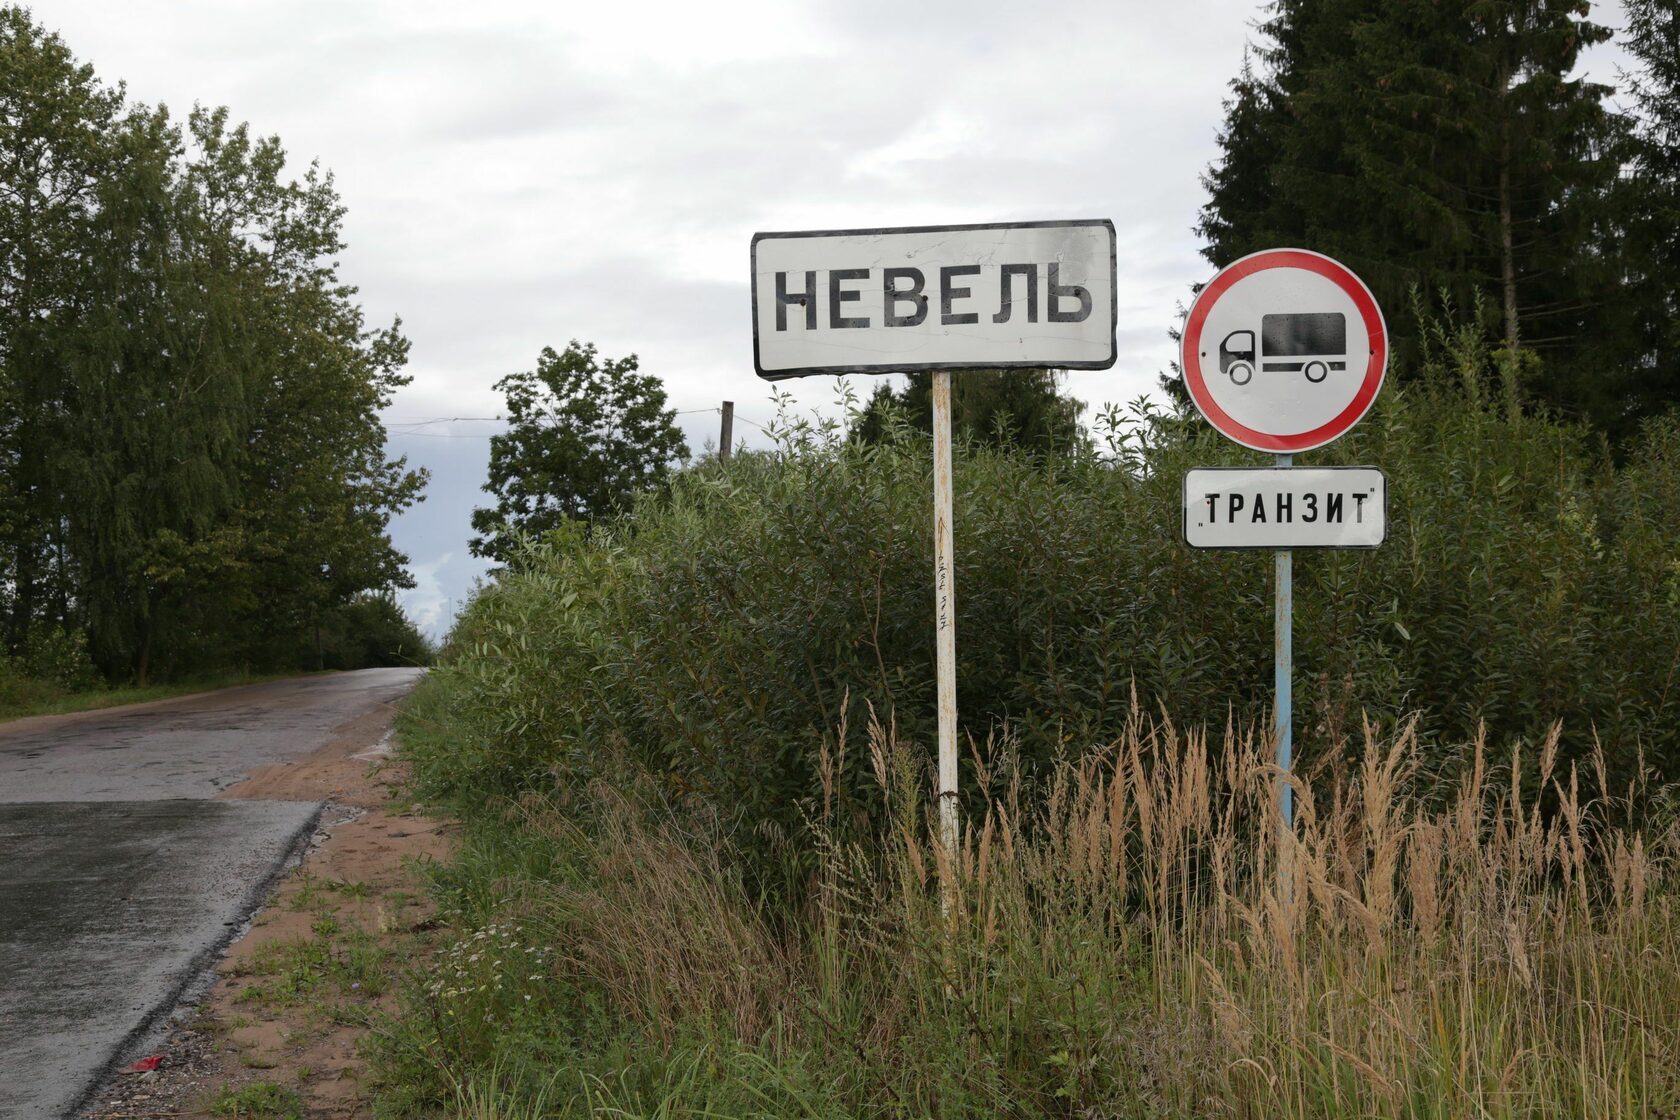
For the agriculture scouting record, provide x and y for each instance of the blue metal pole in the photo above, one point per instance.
(1284, 659)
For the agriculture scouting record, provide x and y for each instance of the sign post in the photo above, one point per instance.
(940, 298)
(1283, 672)
(945, 620)
(1284, 351)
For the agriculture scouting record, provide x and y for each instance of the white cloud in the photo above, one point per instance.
(522, 173)
(426, 603)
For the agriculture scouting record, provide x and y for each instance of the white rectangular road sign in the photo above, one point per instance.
(934, 297)
(1285, 507)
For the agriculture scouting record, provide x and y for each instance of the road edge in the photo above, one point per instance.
(40, 721)
(201, 967)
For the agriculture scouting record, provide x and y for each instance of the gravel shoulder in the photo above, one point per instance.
(294, 994)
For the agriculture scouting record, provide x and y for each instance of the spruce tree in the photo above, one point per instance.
(1653, 195)
(1444, 148)
(1240, 216)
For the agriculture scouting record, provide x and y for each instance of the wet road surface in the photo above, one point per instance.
(121, 878)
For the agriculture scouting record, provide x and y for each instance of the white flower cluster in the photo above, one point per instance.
(474, 968)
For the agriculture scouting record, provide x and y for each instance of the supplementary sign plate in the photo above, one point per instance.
(1285, 507)
(1038, 294)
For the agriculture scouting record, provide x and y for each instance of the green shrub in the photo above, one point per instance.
(718, 637)
(58, 657)
(52, 663)
(20, 692)
(371, 630)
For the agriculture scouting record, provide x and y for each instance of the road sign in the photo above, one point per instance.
(1285, 507)
(1031, 294)
(1284, 350)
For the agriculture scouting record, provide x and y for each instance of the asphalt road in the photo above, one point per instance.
(121, 878)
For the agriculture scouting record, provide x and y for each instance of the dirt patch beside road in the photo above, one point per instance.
(293, 997)
(354, 769)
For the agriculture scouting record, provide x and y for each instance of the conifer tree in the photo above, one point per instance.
(1019, 408)
(1653, 192)
(1241, 214)
(1442, 147)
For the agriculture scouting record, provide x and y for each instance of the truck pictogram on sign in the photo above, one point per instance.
(1312, 343)
(1284, 350)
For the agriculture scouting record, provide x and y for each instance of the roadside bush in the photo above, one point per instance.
(368, 630)
(716, 637)
(20, 692)
(372, 631)
(52, 663)
(58, 657)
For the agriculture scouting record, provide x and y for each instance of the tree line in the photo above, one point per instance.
(193, 474)
(1449, 152)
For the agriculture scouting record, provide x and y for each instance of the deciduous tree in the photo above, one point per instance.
(585, 435)
(194, 467)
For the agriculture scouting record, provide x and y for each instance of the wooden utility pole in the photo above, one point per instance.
(728, 436)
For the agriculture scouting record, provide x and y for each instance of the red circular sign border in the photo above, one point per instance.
(1337, 273)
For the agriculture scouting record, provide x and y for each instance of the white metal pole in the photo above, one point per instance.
(945, 617)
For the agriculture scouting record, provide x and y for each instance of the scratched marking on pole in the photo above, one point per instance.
(1283, 675)
(1284, 351)
(1036, 295)
(944, 591)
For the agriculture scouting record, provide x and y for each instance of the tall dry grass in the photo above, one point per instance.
(1406, 950)
(1138, 937)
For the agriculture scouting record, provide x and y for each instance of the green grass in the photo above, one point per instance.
(1120, 947)
(52, 704)
(344, 962)
(348, 888)
(261, 1100)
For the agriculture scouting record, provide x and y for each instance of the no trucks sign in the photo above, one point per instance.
(1284, 350)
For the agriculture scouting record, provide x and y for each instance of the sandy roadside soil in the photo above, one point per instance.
(292, 997)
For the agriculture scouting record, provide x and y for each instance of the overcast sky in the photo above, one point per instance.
(521, 174)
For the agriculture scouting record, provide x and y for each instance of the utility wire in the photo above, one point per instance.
(411, 427)
(754, 423)
(439, 419)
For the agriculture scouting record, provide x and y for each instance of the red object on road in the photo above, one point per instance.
(144, 1065)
